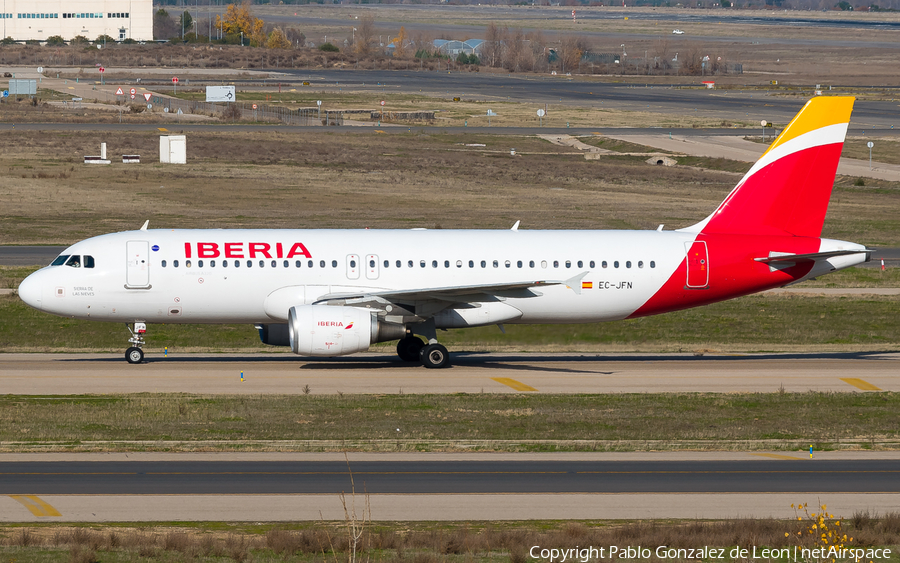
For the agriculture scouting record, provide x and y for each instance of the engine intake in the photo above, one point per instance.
(323, 330)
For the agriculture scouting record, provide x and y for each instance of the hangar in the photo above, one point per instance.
(24, 20)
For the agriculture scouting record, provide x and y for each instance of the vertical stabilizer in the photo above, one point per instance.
(787, 190)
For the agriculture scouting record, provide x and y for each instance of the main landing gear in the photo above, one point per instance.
(412, 349)
(432, 355)
(134, 354)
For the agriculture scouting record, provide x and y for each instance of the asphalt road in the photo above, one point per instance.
(466, 477)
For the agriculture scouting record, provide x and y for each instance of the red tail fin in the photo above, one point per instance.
(787, 190)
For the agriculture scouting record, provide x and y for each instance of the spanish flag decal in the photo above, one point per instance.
(587, 285)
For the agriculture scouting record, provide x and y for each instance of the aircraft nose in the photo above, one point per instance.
(30, 291)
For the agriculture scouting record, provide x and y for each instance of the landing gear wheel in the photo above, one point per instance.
(435, 356)
(409, 348)
(134, 355)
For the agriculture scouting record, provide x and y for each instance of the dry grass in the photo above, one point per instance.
(413, 542)
(331, 180)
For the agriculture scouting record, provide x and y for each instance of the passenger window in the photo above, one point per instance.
(568, 263)
(543, 263)
(421, 263)
(616, 264)
(88, 261)
(640, 263)
(519, 264)
(446, 263)
(262, 263)
(592, 263)
(287, 264)
(174, 263)
(372, 263)
(249, 263)
(212, 263)
(353, 263)
(580, 264)
(484, 264)
(628, 264)
(507, 263)
(310, 264)
(556, 263)
(199, 263)
(387, 263)
(237, 263)
(459, 263)
(224, 263)
(603, 264)
(652, 264)
(60, 260)
(274, 263)
(434, 263)
(531, 263)
(496, 264)
(297, 263)
(399, 264)
(334, 263)
(187, 263)
(74, 261)
(321, 263)
(471, 263)
(163, 263)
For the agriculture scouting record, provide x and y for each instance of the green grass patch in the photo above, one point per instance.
(824, 419)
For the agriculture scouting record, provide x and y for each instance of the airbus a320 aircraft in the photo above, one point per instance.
(335, 292)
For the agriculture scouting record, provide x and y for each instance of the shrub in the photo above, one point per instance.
(328, 48)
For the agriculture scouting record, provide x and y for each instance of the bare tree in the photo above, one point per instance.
(493, 48)
(364, 36)
(571, 48)
(537, 45)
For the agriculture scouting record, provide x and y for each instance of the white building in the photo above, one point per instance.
(39, 19)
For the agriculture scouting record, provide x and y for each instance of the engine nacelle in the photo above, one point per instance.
(323, 330)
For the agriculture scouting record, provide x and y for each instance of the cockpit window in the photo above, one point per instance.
(60, 260)
(74, 261)
(88, 261)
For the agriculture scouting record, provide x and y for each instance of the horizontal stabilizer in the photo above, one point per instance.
(776, 257)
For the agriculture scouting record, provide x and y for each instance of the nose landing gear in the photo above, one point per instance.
(134, 354)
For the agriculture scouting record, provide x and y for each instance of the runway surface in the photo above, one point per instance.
(280, 373)
(442, 487)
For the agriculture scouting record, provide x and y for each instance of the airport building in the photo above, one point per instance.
(25, 20)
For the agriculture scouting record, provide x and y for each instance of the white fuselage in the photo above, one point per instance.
(255, 276)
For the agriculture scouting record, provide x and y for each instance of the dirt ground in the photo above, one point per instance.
(330, 180)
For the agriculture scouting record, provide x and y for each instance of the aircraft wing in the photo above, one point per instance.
(424, 302)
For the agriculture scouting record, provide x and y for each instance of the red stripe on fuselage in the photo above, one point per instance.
(733, 271)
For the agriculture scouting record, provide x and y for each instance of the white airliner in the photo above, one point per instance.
(335, 292)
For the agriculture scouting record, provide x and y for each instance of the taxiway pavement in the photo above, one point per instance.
(278, 487)
(284, 373)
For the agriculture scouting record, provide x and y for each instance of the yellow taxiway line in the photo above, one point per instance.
(517, 385)
(37, 506)
(860, 384)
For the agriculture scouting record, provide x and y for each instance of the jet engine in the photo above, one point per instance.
(324, 330)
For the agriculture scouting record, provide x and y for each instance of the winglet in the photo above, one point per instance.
(515, 227)
(146, 224)
(574, 283)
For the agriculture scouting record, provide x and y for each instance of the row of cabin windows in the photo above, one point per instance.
(411, 264)
(507, 264)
